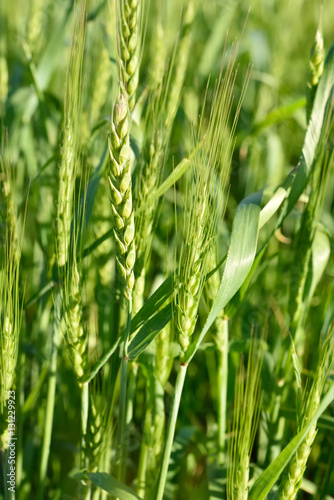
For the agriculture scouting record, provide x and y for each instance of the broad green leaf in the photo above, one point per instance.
(296, 181)
(269, 210)
(266, 481)
(154, 303)
(233, 305)
(148, 321)
(321, 251)
(149, 331)
(110, 485)
(240, 257)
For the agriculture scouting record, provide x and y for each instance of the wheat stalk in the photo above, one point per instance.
(10, 313)
(291, 481)
(70, 150)
(246, 414)
(220, 336)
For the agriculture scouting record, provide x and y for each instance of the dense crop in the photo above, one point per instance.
(166, 226)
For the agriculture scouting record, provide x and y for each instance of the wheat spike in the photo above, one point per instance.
(292, 479)
(10, 313)
(76, 333)
(129, 48)
(316, 67)
(121, 194)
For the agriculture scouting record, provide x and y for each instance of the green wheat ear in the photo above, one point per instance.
(316, 67)
(76, 334)
(75, 331)
(121, 194)
(95, 432)
(10, 310)
(129, 33)
(247, 405)
(204, 201)
(292, 479)
(164, 100)
(68, 251)
(71, 143)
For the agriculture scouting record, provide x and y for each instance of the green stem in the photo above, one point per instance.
(97, 494)
(50, 403)
(171, 429)
(20, 398)
(84, 420)
(104, 464)
(222, 375)
(121, 442)
(144, 452)
(130, 396)
(85, 492)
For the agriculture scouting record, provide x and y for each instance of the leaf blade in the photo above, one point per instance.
(266, 481)
(149, 331)
(240, 258)
(110, 485)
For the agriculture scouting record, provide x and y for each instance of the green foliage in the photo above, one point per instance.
(162, 208)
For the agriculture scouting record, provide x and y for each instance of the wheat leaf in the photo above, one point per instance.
(266, 481)
(149, 331)
(156, 300)
(110, 485)
(240, 257)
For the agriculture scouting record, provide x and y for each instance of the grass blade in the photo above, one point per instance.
(266, 481)
(149, 331)
(156, 300)
(298, 378)
(239, 260)
(110, 485)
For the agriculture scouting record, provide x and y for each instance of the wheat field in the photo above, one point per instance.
(166, 265)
